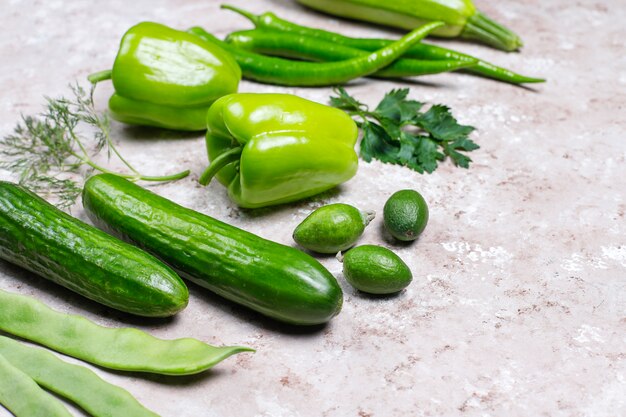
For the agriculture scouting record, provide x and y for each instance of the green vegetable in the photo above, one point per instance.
(39, 237)
(405, 215)
(276, 280)
(432, 52)
(124, 349)
(397, 132)
(297, 149)
(293, 45)
(73, 382)
(422, 51)
(168, 78)
(461, 18)
(22, 396)
(375, 270)
(297, 73)
(50, 151)
(332, 228)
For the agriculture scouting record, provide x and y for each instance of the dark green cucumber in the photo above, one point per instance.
(41, 238)
(276, 280)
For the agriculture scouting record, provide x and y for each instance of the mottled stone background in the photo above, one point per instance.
(518, 306)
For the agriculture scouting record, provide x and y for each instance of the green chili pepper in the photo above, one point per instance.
(418, 51)
(432, 52)
(291, 45)
(73, 382)
(286, 72)
(461, 18)
(23, 397)
(125, 349)
(276, 148)
(167, 78)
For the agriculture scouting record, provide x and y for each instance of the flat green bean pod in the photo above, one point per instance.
(124, 349)
(23, 397)
(74, 382)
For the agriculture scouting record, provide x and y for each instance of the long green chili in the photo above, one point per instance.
(417, 51)
(293, 45)
(297, 73)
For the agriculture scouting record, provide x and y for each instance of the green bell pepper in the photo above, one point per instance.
(168, 78)
(276, 148)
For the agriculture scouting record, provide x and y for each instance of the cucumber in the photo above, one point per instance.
(43, 239)
(276, 280)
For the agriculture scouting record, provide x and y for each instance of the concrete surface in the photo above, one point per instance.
(518, 306)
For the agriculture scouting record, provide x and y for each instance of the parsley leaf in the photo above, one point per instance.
(439, 122)
(398, 132)
(395, 106)
(377, 144)
(346, 102)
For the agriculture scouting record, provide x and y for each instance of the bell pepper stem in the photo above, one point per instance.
(218, 163)
(96, 77)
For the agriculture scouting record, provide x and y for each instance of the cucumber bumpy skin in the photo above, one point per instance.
(375, 270)
(43, 239)
(276, 280)
(332, 228)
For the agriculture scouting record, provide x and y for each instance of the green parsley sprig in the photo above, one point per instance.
(398, 132)
(52, 153)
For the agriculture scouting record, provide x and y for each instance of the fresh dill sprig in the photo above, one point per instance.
(52, 155)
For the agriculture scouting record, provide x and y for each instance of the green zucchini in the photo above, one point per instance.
(276, 280)
(41, 238)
